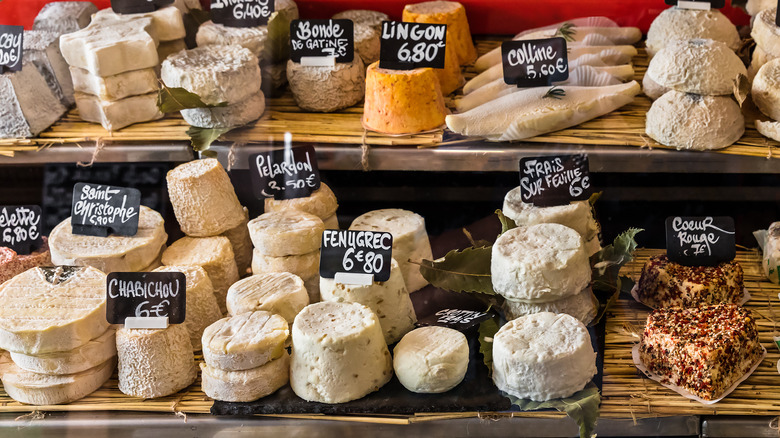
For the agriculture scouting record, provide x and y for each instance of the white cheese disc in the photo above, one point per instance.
(305, 266)
(215, 34)
(766, 33)
(328, 88)
(245, 341)
(118, 114)
(683, 24)
(431, 360)
(582, 306)
(131, 83)
(82, 358)
(245, 385)
(277, 292)
(230, 116)
(322, 203)
(286, 232)
(241, 243)
(766, 89)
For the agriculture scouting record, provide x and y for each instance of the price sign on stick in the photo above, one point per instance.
(535, 63)
(20, 228)
(317, 42)
(362, 255)
(555, 180)
(700, 240)
(457, 319)
(241, 13)
(99, 210)
(406, 46)
(11, 38)
(287, 173)
(146, 297)
(697, 4)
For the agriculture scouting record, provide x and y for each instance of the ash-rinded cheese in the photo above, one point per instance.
(230, 116)
(52, 309)
(64, 17)
(539, 263)
(167, 22)
(683, 24)
(327, 88)
(217, 74)
(245, 341)
(113, 253)
(766, 33)
(389, 300)
(245, 385)
(155, 363)
(322, 203)
(215, 34)
(543, 356)
(201, 303)
(44, 389)
(203, 198)
(241, 243)
(82, 358)
(214, 254)
(305, 265)
(107, 49)
(277, 292)
(117, 114)
(27, 105)
(691, 121)
(766, 89)
(338, 353)
(43, 49)
(697, 66)
(410, 240)
(431, 360)
(582, 306)
(286, 232)
(131, 83)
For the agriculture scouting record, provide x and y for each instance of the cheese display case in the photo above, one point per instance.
(334, 217)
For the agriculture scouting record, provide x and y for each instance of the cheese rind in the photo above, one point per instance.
(215, 34)
(245, 341)
(277, 292)
(114, 115)
(43, 49)
(327, 88)
(167, 22)
(13, 264)
(683, 24)
(245, 385)
(230, 116)
(766, 33)
(322, 203)
(305, 265)
(431, 360)
(766, 89)
(131, 83)
(241, 243)
(27, 105)
(582, 306)
(454, 16)
(286, 232)
(82, 358)
(64, 17)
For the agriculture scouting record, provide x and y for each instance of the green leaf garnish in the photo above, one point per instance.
(506, 223)
(594, 197)
(554, 93)
(567, 31)
(461, 271)
(606, 266)
(582, 407)
(174, 99)
(487, 330)
(277, 46)
(201, 138)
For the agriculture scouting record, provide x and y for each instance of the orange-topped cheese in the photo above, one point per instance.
(454, 16)
(450, 77)
(403, 101)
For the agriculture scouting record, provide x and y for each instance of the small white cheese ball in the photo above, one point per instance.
(431, 360)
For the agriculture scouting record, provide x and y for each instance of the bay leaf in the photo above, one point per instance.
(582, 407)
(174, 99)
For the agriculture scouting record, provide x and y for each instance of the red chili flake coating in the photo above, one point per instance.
(13, 264)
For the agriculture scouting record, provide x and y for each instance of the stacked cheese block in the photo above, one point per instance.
(167, 23)
(53, 323)
(13, 264)
(543, 268)
(766, 67)
(367, 28)
(244, 356)
(209, 213)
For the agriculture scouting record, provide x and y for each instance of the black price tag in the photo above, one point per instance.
(406, 46)
(287, 173)
(20, 228)
(318, 38)
(700, 240)
(697, 4)
(456, 319)
(555, 180)
(241, 13)
(138, 6)
(99, 210)
(146, 294)
(11, 48)
(356, 252)
(535, 63)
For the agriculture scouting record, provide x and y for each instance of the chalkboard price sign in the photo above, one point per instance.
(535, 63)
(11, 48)
(406, 46)
(146, 295)
(287, 173)
(320, 38)
(138, 6)
(356, 252)
(555, 180)
(697, 4)
(700, 240)
(241, 13)
(100, 209)
(20, 228)
(456, 319)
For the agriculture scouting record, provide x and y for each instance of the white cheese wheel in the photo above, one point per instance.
(683, 24)
(203, 198)
(82, 358)
(251, 38)
(201, 303)
(305, 266)
(155, 363)
(245, 341)
(118, 114)
(167, 22)
(64, 17)
(431, 360)
(322, 203)
(277, 292)
(766, 89)
(213, 254)
(217, 74)
(389, 300)
(52, 309)
(543, 356)
(697, 66)
(286, 232)
(690, 121)
(769, 129)
(410, 240)
(766, 33)
(329, 88)
(242, 244)
(338, 353)
(230, 116)
(582, 306)
(245, 385)
(43, 389)
(120, 86)
(759, 58)
(539, 263)
(651, 88)
(113, 253)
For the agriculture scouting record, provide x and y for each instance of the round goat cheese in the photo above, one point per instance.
(245, 385)
(286, 232)
(277, 292)
(236, 114)
(766, 89)
(322, 203)
(582, 306)
(683, 24)
(327, 88)
(245, 341)
(431, 360)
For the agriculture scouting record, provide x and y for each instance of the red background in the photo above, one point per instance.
(485, 16)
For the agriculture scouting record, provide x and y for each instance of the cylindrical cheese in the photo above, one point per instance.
(277, 292)
(766, 33)
(245, 385)
(543, 356)
(338, 353)
(245, 341)
(202, 308)
(327, 88)
(454, 16)
(403, 101)
(241, 243)
(331, 223)
(582, 306)
(286, 232)
(305, 265)
(539, 263)
(322, 203)
(431, 360)
(682, 24)
(389, 300)
(203, 198)
(766, 89)
(450, 77)
(155, 363)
